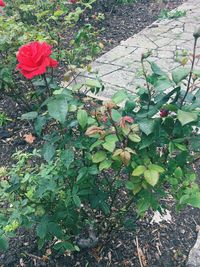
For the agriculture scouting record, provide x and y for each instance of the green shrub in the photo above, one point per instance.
(91, 155)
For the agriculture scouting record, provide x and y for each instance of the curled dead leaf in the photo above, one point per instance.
(109, 105)
(29, 138)
(94, 130)
(125, 157)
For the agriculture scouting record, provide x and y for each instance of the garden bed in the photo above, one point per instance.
(123, 21)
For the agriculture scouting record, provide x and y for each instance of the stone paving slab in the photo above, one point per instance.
(168, 39)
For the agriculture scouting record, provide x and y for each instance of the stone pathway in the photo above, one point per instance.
(169, 40)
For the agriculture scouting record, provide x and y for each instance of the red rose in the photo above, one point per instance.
(2, 4)
(34, 58)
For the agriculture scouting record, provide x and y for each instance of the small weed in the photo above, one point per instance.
(3, 119)
(167, 14)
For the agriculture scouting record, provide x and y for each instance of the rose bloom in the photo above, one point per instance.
(2, 4)
(34, 58)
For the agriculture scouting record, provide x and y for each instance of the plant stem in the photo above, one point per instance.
(191, 71)
(46, 83)
(114, 125)
(146, 79)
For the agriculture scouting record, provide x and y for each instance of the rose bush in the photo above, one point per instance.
(69, 189)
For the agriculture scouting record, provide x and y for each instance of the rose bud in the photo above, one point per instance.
(164, 113)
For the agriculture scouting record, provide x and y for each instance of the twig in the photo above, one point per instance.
(34, 256)
(139, 251)
(191, 72)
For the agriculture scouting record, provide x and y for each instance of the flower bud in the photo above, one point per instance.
(196, 33)
(146, 55)
(164, 113)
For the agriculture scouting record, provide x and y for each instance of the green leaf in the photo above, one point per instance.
(104, 165)
(65, 245)
(96, 144)
(58, 108)
(178, 173)
(39, 124)
(48, 151)
(55, 229)
(137, 188)
(156, 168)
(29, 116)
(111, 138)
(105, 208)
(193, 200)
(186, 117)
(116, 116)
(146, 126)
(67, 157)
(119, 97)
(82, 118)
(162, 84)
(181, 146)
(110, 142)
(41, 229)
(82, 173)
(134, 137)
(110, 146)
(139, 170)
(3, 243)
(99, 156)
(77, 200)
(180, 74)
(93, 83)
(151, 176)
(156, 69)
(130, 185)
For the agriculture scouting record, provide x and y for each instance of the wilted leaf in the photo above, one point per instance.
(125, 157)
(29, 138)
(151, 177)
(94, 130)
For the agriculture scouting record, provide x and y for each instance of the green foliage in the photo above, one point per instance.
(174, 14)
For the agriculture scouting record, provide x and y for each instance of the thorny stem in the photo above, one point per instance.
(191, 71)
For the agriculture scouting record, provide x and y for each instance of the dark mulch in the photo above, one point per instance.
(164, 244)
(124, 21)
